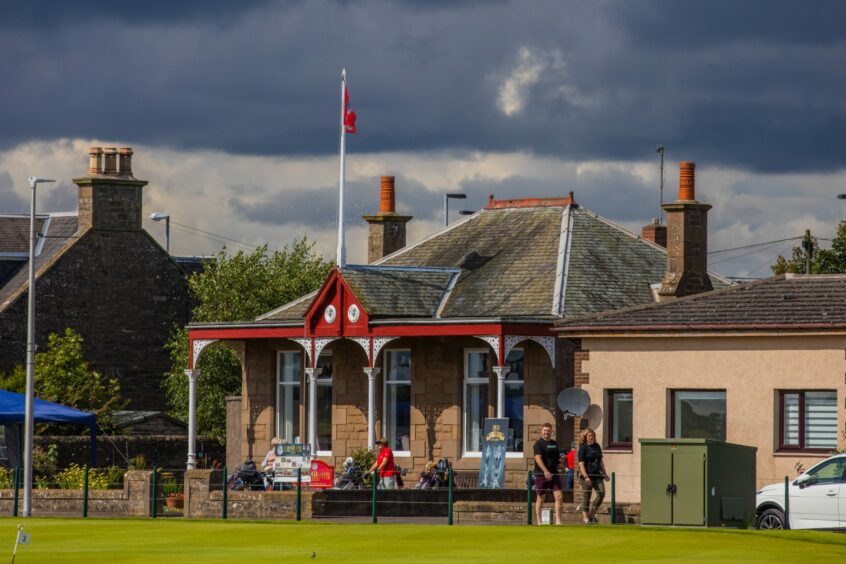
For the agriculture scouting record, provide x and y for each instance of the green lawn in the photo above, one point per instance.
(171, 540)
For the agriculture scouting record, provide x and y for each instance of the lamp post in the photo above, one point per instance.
(158, 216)
(447, 198)
(30, 353)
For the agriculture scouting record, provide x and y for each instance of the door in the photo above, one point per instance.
(656, 482)
(689, 480)
(815, 504)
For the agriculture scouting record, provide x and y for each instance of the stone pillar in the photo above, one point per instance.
(372, 374)
(192, 417)
(500, 371)
(311, 377)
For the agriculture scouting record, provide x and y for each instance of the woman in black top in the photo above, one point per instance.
(591, 474)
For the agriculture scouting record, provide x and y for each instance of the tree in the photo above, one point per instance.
(235, 287)
(823, 261)
(63, 376)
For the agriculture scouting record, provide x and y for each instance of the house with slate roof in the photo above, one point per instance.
(100, 273)
(428, 340)
(759, 364)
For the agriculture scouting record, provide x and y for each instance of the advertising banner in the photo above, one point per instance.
(290, 457)
(494, 446)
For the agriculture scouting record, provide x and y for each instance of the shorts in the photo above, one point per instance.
(543, 485)
(388, 482)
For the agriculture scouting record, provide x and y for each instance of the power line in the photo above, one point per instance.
(757, 245)
(758, 248)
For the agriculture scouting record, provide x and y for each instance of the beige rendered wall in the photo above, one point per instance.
(751, 369)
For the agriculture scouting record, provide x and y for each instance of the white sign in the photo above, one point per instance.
(288, 459)
(23, 538)
(546, 516)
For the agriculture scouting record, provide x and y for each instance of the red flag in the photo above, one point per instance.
(349, 115)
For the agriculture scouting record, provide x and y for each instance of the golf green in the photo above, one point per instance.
(170, 540)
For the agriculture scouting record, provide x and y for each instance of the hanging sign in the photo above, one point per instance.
(494, 447)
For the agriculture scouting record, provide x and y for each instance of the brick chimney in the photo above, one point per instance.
(109, 196)
(687, 241)
(387, 229)
(655, 232)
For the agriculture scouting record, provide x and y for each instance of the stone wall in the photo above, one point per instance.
(204, 499)
(478, 512)
(131, 501)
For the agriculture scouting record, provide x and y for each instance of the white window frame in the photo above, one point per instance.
(519, 453)
(464, 382)
(323, 384)
(397, 453)
(280, 383)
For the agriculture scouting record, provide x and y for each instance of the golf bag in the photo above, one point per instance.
(247, 477)
(351, 478)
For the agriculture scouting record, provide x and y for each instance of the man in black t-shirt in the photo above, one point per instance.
(546, 472)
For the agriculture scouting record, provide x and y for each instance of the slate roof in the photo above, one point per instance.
(14, 232)
(58, 234)
(538, 259)
(789, 301)
(399, 292)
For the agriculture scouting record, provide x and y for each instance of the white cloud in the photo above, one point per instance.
(515, 87)
(194, 187)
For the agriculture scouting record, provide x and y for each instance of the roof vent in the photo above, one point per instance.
(473, 261)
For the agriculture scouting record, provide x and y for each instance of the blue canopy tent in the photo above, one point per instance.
(13, 411)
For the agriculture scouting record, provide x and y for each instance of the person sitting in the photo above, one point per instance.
(270, 457)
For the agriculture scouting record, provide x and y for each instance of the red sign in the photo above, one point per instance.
(322, 475)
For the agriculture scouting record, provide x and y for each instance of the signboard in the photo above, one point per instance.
(288, 458)
(322, 475)
(494, 447)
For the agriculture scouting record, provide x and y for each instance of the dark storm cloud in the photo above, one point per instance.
(756, 85)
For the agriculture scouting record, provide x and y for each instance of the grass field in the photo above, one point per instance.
(96, 540)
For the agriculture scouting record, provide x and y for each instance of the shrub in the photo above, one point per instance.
(364, 459)
(7, 479)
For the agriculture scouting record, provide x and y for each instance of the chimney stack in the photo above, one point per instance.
(387, 229)
(109, 197)
(655, 232)
(687, 241)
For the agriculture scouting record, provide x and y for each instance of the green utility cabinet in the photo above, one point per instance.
(696, 482)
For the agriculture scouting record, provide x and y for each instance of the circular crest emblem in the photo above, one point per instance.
(329, 314)
(353, 313)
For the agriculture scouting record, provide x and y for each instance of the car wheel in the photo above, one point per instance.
(771, 519)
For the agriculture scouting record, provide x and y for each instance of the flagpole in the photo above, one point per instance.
(342, 250)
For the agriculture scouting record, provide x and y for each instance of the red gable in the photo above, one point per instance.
(336, 311)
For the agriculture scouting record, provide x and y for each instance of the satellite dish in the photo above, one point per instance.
(573, 402)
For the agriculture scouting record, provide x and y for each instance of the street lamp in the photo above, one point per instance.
(29, 414)
(447, 198)
(158, 216)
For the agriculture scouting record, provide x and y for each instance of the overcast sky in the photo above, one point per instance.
(232, 108)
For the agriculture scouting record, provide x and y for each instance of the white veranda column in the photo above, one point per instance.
(312, 409)
(500, 371)
(372, 374)
(192, 417)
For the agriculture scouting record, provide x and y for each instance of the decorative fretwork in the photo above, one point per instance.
(305, 343)
(493, 341)
(548, 344)
(364, 343)
(199, 345)
(379, 342)
(321, 342)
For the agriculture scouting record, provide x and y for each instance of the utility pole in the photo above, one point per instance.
(808, 245)
(660, 149)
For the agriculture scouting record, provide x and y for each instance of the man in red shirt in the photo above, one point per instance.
(385, 464)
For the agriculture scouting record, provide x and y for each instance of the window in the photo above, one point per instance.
(324, 402)
(831, 471)
(476, 382)
(397, 396)
(808, 420)
(620, 418)
(288, 396)
(514, 400)
(699, 414)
